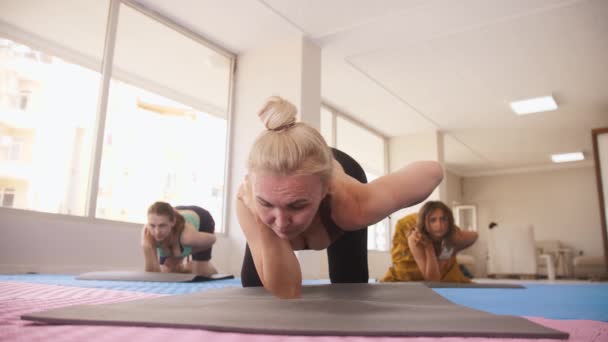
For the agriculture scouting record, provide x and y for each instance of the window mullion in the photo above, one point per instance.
(106, 75)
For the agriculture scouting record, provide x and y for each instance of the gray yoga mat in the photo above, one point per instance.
(439, 284)
(340, 310)
(150, 276)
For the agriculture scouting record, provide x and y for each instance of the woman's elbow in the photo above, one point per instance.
(289, 287)
(435, 172)
(474, 238)
(432, 277)
(434, 177)
(152, 269)
(292, 291)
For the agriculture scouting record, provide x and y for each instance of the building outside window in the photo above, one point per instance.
(164, 122)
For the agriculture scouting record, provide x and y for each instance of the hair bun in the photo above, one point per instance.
(278, 114)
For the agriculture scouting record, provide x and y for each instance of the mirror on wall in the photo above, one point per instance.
(600, 153)
(465, 217)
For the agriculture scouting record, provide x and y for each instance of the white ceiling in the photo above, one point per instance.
(413, 66)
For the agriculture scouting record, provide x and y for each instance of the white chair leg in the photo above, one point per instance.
(548, 258)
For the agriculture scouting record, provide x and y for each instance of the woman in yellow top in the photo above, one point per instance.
(425, 246)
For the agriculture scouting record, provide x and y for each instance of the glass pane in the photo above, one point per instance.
(465, 217)
(162, 142)
(170, 63)
(49, 85)
(366, 147)
(47, 113)
(71, 29)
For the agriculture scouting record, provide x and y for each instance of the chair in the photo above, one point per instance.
(561, 257)
(593, 267)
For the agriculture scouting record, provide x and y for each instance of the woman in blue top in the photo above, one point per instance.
(170, 235)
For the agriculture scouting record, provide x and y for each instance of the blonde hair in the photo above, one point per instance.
(289, 147)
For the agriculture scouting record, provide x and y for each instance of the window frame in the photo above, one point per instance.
(10, 192)
(335, 113)
(22, 37)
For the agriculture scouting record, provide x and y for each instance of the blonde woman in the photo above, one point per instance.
(172, 234)
(299, 195)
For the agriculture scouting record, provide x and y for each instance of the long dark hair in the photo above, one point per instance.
(426, 211)
(165, 209)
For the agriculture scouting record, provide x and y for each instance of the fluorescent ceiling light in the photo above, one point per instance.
(567, 157)
(535, 105)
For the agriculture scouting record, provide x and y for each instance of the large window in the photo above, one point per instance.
(368, 148)
(166, 122)
(49, 85)
(74, 140)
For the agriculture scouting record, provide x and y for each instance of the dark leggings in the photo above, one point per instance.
(206, 225)
(347, 256)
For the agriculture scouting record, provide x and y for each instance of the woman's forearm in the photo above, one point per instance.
(274, 258)
(462, 239)
(151, 260)
(281, 270)
(152, 267)
(431, 271)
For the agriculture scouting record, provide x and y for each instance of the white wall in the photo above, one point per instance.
(454, 189)
(561, 204)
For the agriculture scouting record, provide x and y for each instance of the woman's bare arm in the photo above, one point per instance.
(424, 255)
(150, 256)
(195, 239)
(461, 239)
(366, 204)
(173, 265)
(274, 258)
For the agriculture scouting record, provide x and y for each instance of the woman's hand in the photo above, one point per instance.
(146, 238)
(173, 265)
(274, 258)
(151, 259)
(424, 255)
(419, 239)
(244, 193)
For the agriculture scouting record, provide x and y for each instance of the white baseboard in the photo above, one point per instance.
(56, 269)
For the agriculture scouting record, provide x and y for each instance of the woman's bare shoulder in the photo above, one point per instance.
(344, 191)
(340, 183)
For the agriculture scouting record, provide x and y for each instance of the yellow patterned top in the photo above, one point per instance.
(404, 267)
